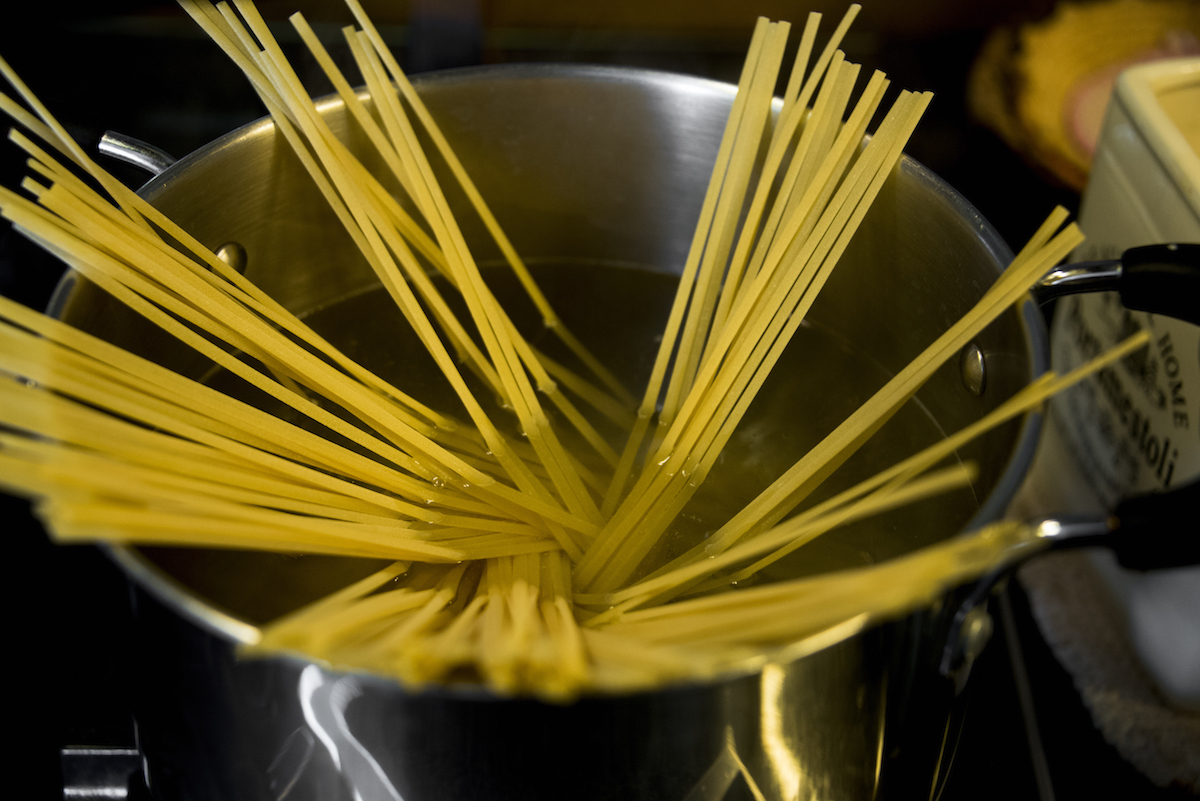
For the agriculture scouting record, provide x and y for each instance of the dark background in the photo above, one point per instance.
(143, 70)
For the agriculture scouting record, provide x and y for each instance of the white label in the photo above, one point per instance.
(1134, 427)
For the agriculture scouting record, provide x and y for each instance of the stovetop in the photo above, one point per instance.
(140, 70)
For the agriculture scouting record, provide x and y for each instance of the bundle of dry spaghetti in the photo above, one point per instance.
(517, 559)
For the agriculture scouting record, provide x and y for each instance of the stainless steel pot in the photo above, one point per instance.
(581, 165)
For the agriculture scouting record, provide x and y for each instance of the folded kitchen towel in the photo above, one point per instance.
(1087, 631)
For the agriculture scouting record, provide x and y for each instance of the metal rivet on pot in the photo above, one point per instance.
(976, 631)
(970, 365)
(234, 255)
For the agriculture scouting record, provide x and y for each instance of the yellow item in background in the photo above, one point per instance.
(1043, 87)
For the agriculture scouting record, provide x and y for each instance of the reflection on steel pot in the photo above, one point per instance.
(587, 169)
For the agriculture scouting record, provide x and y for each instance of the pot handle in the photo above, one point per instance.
(1154, 531)
(153, 160)
(1160, 279)
(1158, 530)
(1147, 532)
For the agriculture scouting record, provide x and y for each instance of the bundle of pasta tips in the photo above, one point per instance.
(525, 544)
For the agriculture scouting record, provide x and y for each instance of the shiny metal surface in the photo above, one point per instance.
(858, 719)
(1071, 279)
(153, 160)
(98, 774)
(974, 369)
(1067, 531)
(581, 165)
(233, 254)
